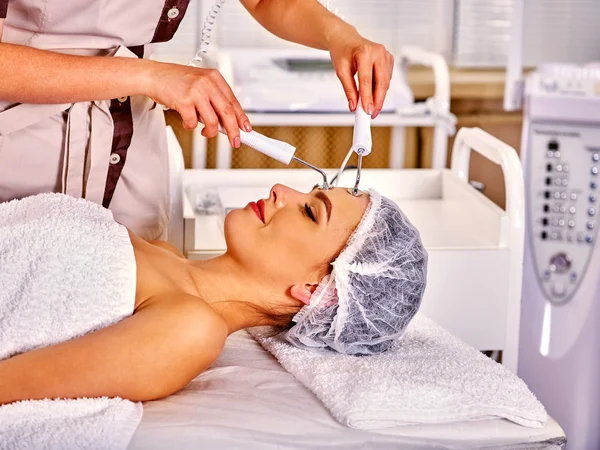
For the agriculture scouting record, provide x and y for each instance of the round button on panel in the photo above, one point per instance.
(563, 195)
(557, 195)
(173, 13)
(572, 210)
(592, 198)
(591, 211)
(562, 209)
(571, 223)
(554, 222)
(595, 157)
(573, 196)
(561, 223)
(559, 168)
(590, 225)
(594, 171)
(555, 208)
(560, 262)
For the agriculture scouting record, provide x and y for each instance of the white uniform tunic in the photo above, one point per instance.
(112, 151)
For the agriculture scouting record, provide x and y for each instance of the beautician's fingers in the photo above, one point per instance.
(346, 76)
(209, 118)
(183, 87)
(242, 118)
(188, 116)
(365, 79)
(383, 70)
(227, 117)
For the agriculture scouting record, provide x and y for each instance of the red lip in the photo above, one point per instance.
(261, 208)
(256, 209)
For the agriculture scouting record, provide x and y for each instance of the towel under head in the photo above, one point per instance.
(66, 268)
(427, 377)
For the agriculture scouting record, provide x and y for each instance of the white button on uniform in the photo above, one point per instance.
(559, 289)
(122, 99)
(172, 13)
(115, 158)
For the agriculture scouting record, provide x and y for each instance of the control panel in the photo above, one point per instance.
(563, 193)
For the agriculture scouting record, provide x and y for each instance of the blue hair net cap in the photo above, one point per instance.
(373, 291)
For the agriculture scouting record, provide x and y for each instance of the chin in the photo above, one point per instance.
(238, 231)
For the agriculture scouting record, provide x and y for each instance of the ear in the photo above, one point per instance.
(303, 292)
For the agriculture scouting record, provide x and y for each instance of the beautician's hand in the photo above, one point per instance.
(351, 53)
(195, 93)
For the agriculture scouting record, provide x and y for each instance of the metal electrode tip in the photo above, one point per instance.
(325, 186)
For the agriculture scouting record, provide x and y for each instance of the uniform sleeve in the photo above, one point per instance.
(3, 8)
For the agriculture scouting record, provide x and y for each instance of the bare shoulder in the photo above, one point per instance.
(201, 331)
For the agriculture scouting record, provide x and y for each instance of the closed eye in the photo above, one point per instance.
(309, 213)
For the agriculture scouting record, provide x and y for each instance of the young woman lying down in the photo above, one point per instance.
(88, 309)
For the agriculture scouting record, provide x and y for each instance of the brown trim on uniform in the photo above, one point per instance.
(170, 18)
(137, 50)
(122, 134)
(3, 8)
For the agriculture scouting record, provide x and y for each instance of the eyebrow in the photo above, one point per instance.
(321, 196)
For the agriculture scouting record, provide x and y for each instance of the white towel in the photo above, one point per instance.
(429, 377)
(82, 424)
(66, 269)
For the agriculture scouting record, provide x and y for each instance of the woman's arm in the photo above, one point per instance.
(30, 75)
(150, 355)
(309, 23)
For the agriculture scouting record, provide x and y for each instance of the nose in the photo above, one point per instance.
(282, 195)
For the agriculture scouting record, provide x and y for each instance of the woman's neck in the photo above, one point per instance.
(231, 292)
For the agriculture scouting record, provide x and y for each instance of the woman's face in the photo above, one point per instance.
(291, 236)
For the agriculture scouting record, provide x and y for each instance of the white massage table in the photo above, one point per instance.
(248, 401)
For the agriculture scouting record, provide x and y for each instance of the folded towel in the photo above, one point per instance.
(428, 377)
(66, 269)
(82, 424)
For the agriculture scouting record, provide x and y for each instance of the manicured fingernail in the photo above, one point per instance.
(351, 105)
(247, 126)
(370, 109)
(375, 114)
(236, 142)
